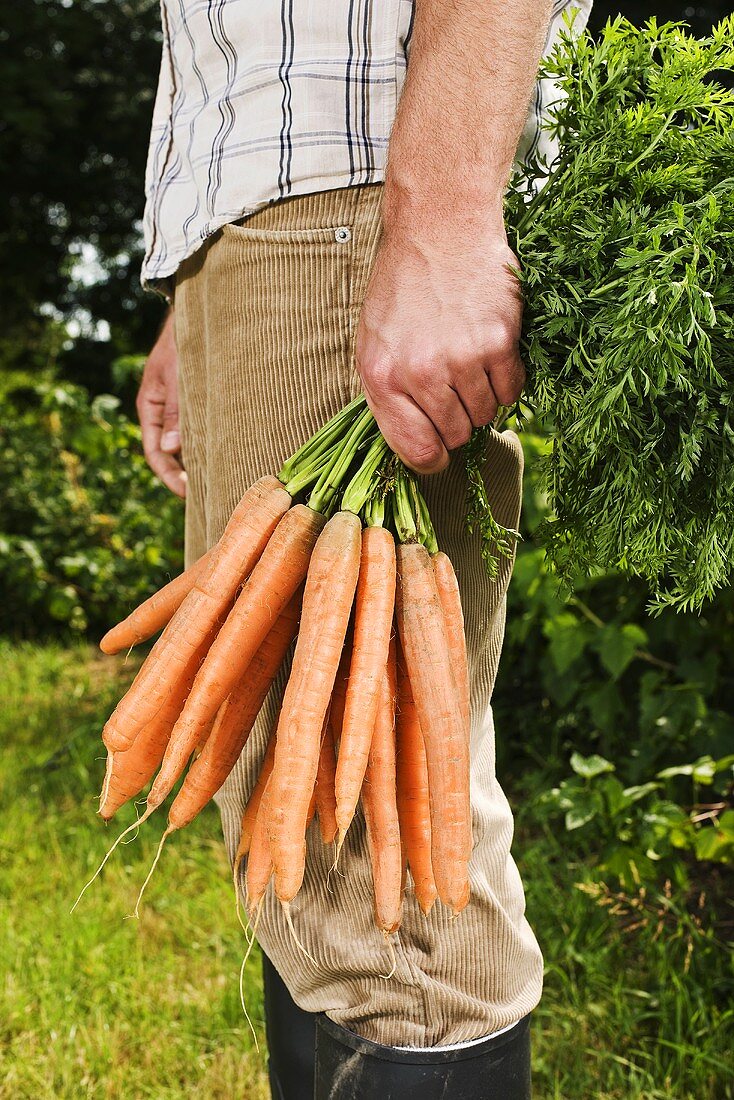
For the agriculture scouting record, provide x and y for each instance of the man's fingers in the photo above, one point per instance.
(448, 415)
(171, 436)
(507, 377)
(409, 432)
(478, 398)
(169, 470)
(164, 465)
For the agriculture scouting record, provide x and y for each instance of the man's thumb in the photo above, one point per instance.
(170, 436)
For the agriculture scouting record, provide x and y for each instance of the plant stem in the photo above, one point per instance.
(337, 468)
(426, 532)
(403, 514)
(310, 473)
(322, 440)
(375, 511)
(366, 481)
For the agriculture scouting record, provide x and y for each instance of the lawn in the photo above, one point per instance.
(637, 1004)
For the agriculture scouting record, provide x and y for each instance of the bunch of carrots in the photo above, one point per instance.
(337, 552)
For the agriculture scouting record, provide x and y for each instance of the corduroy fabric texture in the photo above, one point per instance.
(265, 318)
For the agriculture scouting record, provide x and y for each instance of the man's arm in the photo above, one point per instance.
(157, 406)
(437, 344)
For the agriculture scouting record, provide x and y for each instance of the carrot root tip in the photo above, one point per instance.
(237, 898)
(169, 829)
(248, 952)
(331, 870)
(106, 786)
(125, 832)
(393, 957)
(289, 921)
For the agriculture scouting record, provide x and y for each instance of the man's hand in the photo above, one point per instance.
(157, 406)
(437, 344)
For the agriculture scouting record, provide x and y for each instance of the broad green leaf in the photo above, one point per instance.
(590, 766)
(617, 646)
(568, 637)
(715, 845)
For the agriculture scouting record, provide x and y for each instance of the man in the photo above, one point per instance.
(326, 223)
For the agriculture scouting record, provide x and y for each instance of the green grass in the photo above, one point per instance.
(94, 1005)
(637, 1003)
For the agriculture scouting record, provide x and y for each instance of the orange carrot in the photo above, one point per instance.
(379, 802)
(327, 603)
(273, 582)
(374, 606)
(253, 803)
(153, 614)
(428, 659)
(128, 772)
(448, 594)
(259, 859)
(206, 733)
(235, 720)
(311, 808)
(234, 557)
(414, 809)
(339, 692)
(325, 796)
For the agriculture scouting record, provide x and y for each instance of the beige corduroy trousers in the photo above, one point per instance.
(265, 317)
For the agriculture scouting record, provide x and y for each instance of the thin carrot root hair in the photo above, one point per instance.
(125, 832)
(149, 876)
(333, 868)
(289, 921)
(244, 921)
(237, 902)
(393, 957)
(106, 781)
(341, 836)
(248, 952)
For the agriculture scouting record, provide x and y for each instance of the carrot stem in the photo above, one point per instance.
(366, 481)
(322, 440)
(336, 470)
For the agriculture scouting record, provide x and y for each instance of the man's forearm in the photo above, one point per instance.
(470, 76)
(437, 347)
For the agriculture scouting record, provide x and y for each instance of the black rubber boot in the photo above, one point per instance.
(291, 1036)
(350, 1068)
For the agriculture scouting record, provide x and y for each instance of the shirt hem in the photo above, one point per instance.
(160, 280)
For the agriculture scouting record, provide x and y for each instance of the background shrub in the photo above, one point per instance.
(86, 530)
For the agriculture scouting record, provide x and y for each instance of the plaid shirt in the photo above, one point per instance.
(261, 99)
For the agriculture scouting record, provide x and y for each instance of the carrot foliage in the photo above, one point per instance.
(627, 258)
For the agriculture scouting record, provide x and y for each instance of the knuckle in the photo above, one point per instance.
(457, 437)
(426, 455)
(424, 385)
(486, 413)
(508, 385)
(503, 337)
(379, 374)
(423, 371)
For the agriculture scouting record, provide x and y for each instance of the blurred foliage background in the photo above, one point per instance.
(616, 730)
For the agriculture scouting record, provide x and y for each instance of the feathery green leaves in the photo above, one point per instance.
(627, 257)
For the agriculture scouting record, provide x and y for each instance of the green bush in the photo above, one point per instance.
(86, 531)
